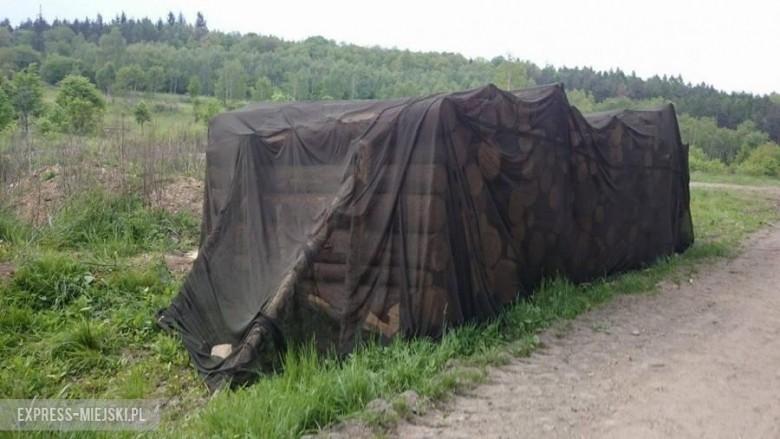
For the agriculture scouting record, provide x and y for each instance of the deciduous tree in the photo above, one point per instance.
(80, 103)
(141, 114)
(27, 95)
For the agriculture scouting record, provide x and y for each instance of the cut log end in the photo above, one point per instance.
(489, 158)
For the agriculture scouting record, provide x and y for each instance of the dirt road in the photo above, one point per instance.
(696, 360)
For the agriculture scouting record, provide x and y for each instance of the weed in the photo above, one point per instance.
(118, 225)
(12, 230)
(84, 346)
(49, 281)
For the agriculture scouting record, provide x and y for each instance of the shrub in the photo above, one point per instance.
(27, 95)
(81, 105)
(141, 114)
(56, 67)
(762, 161)
(6, 108)
(206, 109)
(699, 161)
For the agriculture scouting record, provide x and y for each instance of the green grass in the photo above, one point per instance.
(119, 225)
(169, 113)
(740, 179)
(49, 281)
(79, 346)
(12, 230)
(77, 315)
(77, 323)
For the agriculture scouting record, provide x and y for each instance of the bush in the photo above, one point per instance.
(80, 104)
(205, 109)
(56, 67)
(141, 114)
(699, 161)
(6, 108)
(762, 161)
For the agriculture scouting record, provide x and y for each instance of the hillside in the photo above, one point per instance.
(174, 56)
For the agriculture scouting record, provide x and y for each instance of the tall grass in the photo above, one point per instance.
(12, 230)
(81, 337)
(117, 224)
(119, 157)
(79, 307)
(49, 281)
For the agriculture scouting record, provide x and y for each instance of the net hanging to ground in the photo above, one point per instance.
(342, 220)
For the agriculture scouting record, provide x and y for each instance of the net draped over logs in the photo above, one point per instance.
(341, 221)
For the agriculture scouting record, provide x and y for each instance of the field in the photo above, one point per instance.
(739, 179)
(94, 240)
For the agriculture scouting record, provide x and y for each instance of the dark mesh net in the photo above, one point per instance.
(342, 220)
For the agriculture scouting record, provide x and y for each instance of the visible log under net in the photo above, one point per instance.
(340, 221)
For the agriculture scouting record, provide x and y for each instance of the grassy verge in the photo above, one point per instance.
(77, 322)
(734, 179)
(77, 314)
(315, 391)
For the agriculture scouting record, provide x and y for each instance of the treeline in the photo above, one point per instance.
(701, 100)
(175, 56)
(714, 149)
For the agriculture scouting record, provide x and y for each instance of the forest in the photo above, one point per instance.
(215, 70)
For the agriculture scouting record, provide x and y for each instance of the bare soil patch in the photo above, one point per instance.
(180, 194)
(179, 264)
(36, 197)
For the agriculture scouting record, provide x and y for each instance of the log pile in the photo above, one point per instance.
(357, 255)
(519, 183)
(617, 207)
(334, 220)
(525, 189)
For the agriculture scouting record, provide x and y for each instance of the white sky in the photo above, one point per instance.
(733, 45)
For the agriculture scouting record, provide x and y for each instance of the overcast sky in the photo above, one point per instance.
(733, 45)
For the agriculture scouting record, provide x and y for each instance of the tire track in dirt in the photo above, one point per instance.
(699, 359)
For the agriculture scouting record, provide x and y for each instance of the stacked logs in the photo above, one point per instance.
(518, 183)
(406, 230)
(523, 189)
(617, 207)
(395, 245)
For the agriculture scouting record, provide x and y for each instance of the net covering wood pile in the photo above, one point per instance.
(340, 221)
